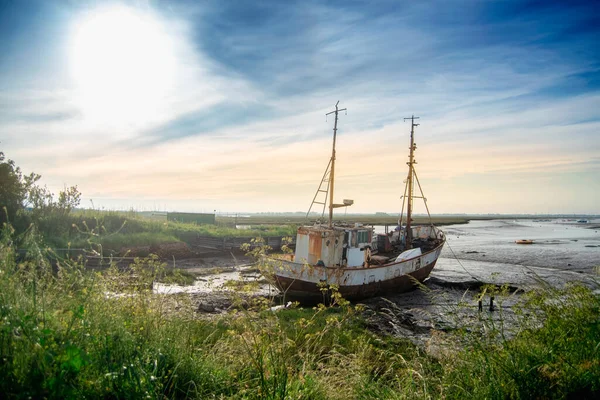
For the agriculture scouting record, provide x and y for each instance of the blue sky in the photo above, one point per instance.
(209, 105)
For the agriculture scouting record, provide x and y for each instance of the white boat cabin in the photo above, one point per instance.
(345, 246)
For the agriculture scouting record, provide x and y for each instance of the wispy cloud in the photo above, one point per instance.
(505, 90)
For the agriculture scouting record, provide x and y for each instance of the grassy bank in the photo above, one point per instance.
(113, 230)
(71, 334)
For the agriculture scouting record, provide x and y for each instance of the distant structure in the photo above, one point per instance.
(191, 218)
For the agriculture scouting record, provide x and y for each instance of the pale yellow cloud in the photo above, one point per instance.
(250, 174)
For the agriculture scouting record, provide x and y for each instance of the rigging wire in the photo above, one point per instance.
(403, 202)
(461, 264)
(423, 196)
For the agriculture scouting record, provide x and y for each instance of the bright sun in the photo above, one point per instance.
(122, 62)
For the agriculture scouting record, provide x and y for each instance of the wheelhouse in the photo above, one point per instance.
(338, 246)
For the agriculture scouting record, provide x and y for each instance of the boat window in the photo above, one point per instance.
(363, 237)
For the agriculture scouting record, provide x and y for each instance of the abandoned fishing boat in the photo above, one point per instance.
(351, 256)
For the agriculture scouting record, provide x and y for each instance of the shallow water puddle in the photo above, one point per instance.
(242, 279)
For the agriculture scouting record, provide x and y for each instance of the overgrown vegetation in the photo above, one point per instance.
(68, 333)
(551, 351)
(23, 201)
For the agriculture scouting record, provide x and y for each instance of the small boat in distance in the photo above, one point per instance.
(524, 241)
(352, 257)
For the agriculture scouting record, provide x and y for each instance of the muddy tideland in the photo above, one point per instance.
(476, 254)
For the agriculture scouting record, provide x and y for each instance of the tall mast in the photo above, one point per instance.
(332, 174)
(411, 162)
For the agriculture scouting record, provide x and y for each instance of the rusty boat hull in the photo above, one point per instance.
(303, 282)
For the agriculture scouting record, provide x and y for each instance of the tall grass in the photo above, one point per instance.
(555, 351)
(68, 333)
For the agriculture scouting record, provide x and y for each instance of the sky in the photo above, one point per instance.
(220, 105)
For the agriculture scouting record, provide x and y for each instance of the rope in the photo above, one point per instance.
(463, 267)
(403, 202)
(422, 195)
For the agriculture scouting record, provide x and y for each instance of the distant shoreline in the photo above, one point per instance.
(374, 219)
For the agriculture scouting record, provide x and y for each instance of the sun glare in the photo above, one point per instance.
(122, 63)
